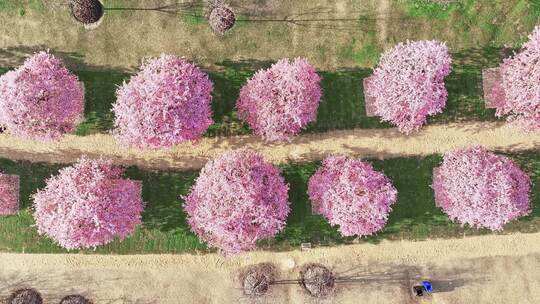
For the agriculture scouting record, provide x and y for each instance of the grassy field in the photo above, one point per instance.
(164, 227)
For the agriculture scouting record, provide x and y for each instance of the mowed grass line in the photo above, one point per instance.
(165, 230)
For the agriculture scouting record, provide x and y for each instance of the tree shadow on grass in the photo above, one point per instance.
(342, 104)
(464, 85)
(162, 192)
(302, 225)
(414, 216)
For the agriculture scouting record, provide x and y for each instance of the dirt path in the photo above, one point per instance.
(383, 18)
(367, 143)
(485, 269)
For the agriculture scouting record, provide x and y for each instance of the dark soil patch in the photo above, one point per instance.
(256, 279)
(318, 280)
(86, 11)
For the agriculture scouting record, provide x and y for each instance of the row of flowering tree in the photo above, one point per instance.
(170, 100)
(239, 198)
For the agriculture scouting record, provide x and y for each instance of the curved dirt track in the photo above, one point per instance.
(486, 269)
(366, 143)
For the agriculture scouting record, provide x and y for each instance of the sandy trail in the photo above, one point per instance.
(367, 143)
(485, 269)
(383, 11)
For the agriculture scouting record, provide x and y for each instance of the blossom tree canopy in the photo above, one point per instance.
(238, 199)
(479, 188)
(521, 85)
(9, 194)
(88, 205)
(408, 84)
(168, 102)
(41, 99)
(350, 193)
(279, 102)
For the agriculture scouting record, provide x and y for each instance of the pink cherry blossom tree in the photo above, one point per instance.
(168, 102)
(520, 83)
(408, 84)
(9, 194)
(279, 102)
(88, 205)
(479, 188)
(41, 99)
(238, 199)
(350, 193)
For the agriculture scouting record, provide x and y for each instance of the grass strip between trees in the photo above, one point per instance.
(342, 105)
(165, 230)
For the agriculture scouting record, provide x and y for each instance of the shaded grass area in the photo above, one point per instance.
(165, 230)
(342, 105)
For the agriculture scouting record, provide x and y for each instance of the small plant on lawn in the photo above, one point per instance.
(350, 193)
(520, 83)
(238, 199)
(9, 194)
(166, 103)
(279, 102)
(479, 188)
(88, 205)
(408, 84)
(41, 99)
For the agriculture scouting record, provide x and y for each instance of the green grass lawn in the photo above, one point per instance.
(165, 230)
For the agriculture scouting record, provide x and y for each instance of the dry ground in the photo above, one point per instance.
(331, 33)
(489, 269)
(125, 37)
(365, 143)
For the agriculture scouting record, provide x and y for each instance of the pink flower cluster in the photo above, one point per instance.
(9, 194)
(88, 205)
(521, 85)
(408, 84)
(479, 188)
(350, 193)
(279, 102)
(169, 101)
(238, 199)
(41, 99)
